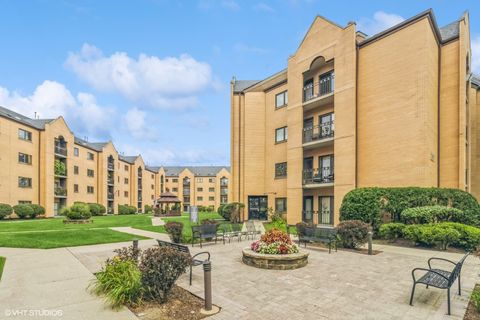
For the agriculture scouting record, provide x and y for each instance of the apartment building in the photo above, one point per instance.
(394, 109)
(196, 185)
(42, 161)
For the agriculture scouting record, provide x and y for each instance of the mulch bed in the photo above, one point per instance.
(181, 304)
(472, 313)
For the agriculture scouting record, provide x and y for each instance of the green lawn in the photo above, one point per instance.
(2, 264)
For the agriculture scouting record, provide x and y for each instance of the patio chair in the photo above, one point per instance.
(229, 233)
(251, 230)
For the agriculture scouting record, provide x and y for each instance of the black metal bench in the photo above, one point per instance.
(207, 231)
(315, 234)
(184, 249)
(439, 278)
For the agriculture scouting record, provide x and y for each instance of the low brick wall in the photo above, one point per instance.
(275, 261)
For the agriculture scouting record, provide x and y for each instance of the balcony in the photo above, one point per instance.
(318, 178)
(319, 135)
(320, 93)
(60, 151)
(223, 191)
(319, 218)
(60, 192)
(224, 183)
(111, 196)
(111, 167)
(186, 192)
(110, 181)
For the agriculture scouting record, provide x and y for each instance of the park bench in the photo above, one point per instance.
(207, 231)
(439, 278)
(184, 249)
(315, 234)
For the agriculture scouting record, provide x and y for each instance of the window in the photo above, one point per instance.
(281, 99)
(24, 135)
(200, 189)
(175, 189)
(76, 152)
(211, 198)
(280, 170)
(199, 198)
(126, 167)
(281, 134)
(223, 198)
(125, 180)
(175, 180)
(211, 189)
(75, 188)
(89, 156)
(125, 193)
(89, 189)
(24, 182)
(153, 176)
(24, 202)
(199, 179)
(326, 210)
(90, 172)
(166, 180)
(153, 186)
(152, 197)
(75, 169)
(24, 158)
(211, 180)
(281, 204)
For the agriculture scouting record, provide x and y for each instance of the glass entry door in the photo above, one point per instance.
(308, 208)
(257, 208)
(326, 210)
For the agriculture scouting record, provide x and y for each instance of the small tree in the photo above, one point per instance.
(232, 211)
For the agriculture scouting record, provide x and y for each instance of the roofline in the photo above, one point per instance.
(425, 14)
(20, 122)
(263, 81)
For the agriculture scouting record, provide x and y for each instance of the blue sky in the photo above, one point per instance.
(166, 65)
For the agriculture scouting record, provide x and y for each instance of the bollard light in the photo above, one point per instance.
(207, 278)
(369, 237)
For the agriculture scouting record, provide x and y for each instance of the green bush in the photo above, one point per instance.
(120, 281)
(352, 233)
(375, 205)
(160, 268)
(95, 209)
(445, 234)
(232, 211)
(126, 209)
(5, 210)
(476, 298)
(60, 168)
(469, 235)
(103, 210)
(78, 211)
(132, 209)
(23, 211)
(391, 231)
(420, 234)
(174, 230)
(37, 210)
(431, 214)
(148, 209)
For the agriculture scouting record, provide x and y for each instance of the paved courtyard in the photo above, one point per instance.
(341, 285)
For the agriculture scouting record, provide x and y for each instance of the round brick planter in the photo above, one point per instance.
(275, 261)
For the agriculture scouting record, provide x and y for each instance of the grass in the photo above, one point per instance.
(2, 264)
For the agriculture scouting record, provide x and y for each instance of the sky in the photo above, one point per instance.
(153, 76)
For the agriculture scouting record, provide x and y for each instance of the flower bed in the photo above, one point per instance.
(274, 250)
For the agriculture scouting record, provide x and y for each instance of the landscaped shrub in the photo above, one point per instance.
(128, 253)
(475, 297)
(38, 210)
(174, 230)
(420, 234)
(120, 281)
(378, 205)
(103, 210)
(274, 241)
(132, 209)
(431, 214)
(160, 268)
(445, 235)
(78, 211)
(352, 233)
(95, 209)
(148, 209)
(60, 168)
(23, 211)
(469, 235)
(209, 221)
(5, 210)
(391, 231)
(232, 211)
(126, 209)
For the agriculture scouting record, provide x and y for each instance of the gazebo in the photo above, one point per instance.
(167, 205)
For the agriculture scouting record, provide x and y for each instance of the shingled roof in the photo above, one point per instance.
(199, 171)
(129, 159)
(96, 146)
(240, 85)
(450, 31)
(34, 123)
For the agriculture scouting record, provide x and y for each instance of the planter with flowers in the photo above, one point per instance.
(275, 250)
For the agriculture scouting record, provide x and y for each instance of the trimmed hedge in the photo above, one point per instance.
(24, 211)
(392, 231)
(126, 209)
(431, 214)
(78, 211)
(5, 210)
(374, 205)
(38, 210)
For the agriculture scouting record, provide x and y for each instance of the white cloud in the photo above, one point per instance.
(52, 99)
(476, 55)
(263, 7)
(245, 48)
(381, 21)
(230, 4)
(135, 123)
(168, 82)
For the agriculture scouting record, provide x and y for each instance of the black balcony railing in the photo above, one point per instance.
(111, 166)
(60, 150)
(110, 181)
(111, 196)
(224, 183)
(60, 191)
(315, 90)
(223, 191)
(186, 192)
(324, 131)
(318, 176)
(323, 217)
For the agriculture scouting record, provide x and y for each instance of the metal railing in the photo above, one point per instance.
(60, 150)
(224, 183)
(110, 181)
(111, 166)
(186, 192)
(223, 191)
(316, 217)
(318, 176)
(315, 90)
(111, 196)
(319, 132)
(60, 191)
